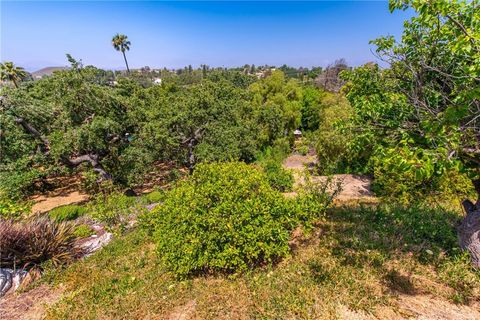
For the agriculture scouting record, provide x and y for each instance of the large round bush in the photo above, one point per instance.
(225, 217)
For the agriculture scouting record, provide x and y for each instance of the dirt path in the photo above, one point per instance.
(353, 187)
(44, 203)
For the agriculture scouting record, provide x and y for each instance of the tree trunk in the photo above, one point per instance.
(34, 132)
(126, 63)
(191, 156)
(92, 158)
(469, 229)
(191, 142)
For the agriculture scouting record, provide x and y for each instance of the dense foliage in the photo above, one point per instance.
(331, 143)
(225, 217)
(414, 125)
(78, 120)
(271, 162)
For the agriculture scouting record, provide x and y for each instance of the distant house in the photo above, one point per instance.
(297, 133)
(265, 72)
(259, 75)
(157, 81)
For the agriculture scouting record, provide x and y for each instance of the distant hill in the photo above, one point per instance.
(46, 72)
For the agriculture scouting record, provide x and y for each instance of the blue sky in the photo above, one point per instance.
(174, 34)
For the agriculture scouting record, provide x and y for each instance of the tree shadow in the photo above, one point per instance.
(400, 283)
(390, 242)
(428, 233)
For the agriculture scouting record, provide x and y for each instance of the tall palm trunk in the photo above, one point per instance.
(126, 63)
(15, 82)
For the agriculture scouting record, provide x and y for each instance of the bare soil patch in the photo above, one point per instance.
(46, 202)
(29, 305)
(418, 307)
(184, 312)
(353, 187)
(425, 307)
(63, 191)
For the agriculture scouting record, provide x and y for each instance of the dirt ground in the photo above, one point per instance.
(417, 307)
(68, 190)
(352, 187)
(45, 202)
(65, 190)
(29, 305)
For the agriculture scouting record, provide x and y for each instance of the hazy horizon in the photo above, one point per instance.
(38, 34)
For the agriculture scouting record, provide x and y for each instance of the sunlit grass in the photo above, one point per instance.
(359, 258)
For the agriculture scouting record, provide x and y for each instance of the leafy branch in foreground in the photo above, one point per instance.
(418, 122)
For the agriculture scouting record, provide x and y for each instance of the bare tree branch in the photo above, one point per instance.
(462, 27)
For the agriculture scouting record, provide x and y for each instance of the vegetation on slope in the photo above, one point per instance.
(227, 231)
(361, 258)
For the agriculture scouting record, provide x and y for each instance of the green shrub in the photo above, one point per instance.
(35, 241)
(278, 152)
(20, 179)
(113, 209)
(331, 144)
(279, 178)
(225, 217)
(271, 161)
(67, 213)
(10, 209)
(154, 196)
(83, 231)
(311, 106)
(89, 182)
(303, 150)
(314, 198)
(302, 146)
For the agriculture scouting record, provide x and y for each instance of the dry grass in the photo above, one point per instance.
(359, 262)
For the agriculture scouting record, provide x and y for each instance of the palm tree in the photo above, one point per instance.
(10, 72)
(120, 43)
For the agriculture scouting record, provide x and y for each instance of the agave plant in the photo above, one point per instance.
(31, 242)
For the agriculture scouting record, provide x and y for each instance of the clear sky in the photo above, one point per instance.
(38, 34)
